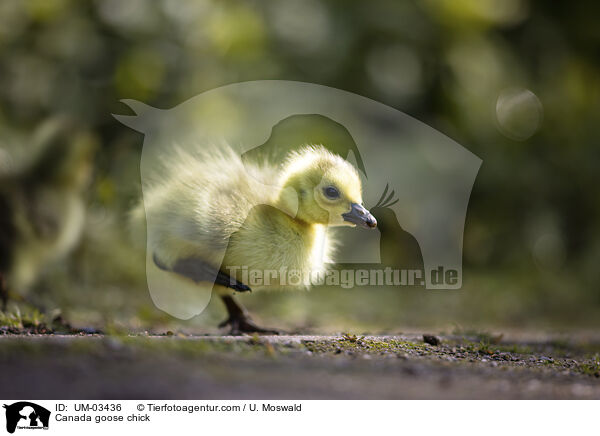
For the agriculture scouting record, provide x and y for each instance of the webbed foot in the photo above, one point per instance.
(244, 325)
(239, 321)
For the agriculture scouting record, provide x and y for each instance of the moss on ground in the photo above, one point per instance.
(582, 360)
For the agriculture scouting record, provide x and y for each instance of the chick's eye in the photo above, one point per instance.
(331, 192)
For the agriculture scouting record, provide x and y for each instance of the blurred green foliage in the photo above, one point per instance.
(515, 81)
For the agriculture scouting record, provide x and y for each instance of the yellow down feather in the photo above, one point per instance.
(261, 216)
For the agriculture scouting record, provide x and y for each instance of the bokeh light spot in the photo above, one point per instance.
(519, 113)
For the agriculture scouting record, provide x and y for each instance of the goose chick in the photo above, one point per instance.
(41, 201)
(213, 218)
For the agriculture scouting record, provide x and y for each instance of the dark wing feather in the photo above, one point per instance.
(199, 271)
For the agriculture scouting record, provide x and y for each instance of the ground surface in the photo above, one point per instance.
(299, 367)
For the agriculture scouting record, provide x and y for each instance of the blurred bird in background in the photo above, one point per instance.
(42, 181)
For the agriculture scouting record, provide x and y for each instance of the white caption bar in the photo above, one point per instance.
(266, 418)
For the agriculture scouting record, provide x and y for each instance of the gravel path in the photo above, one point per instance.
(300, 367)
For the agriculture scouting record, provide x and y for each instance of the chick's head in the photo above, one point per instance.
(328, 189)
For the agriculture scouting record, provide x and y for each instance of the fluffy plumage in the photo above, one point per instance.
(263, 217)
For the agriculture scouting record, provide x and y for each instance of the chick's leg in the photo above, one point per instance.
(239, 321)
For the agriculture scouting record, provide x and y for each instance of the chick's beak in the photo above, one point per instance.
(361, 216)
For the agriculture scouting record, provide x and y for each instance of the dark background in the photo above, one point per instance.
(516, 82)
